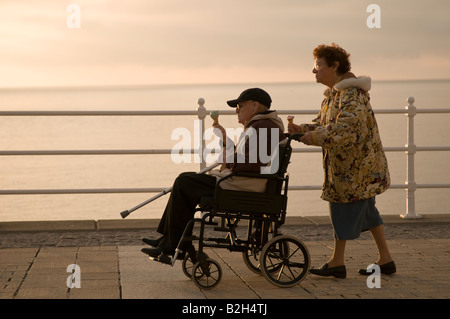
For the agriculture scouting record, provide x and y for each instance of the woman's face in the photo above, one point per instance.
(325, 74)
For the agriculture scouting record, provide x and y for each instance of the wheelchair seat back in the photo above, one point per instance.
(272, 201)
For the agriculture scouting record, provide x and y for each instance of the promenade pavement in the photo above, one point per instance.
(35, 256)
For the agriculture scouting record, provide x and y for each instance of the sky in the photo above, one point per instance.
(152, 42)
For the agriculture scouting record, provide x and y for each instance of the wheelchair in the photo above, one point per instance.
(283, 260)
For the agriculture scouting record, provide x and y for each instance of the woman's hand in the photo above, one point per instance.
(307, 138)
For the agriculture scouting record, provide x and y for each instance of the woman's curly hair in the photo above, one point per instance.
(332, 53)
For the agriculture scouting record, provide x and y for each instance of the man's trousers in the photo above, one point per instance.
(187, 191)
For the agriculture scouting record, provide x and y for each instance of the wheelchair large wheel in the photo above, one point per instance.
(207, 273)
(285, 261)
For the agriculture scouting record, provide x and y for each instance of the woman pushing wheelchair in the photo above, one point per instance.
(355, 166)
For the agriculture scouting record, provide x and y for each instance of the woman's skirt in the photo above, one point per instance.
(350, 219)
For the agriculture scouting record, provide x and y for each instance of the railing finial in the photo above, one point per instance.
(201, 111)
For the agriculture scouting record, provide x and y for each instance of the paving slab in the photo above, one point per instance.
(111, 266)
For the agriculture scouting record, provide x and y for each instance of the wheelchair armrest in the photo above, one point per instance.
(273, 181)
(250, 175)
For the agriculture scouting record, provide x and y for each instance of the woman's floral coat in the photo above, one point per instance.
(354, 162)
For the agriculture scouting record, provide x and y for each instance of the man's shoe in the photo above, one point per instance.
(152, 252)
(338, 272)
(162, 248)
(387, 269)
(152, 242)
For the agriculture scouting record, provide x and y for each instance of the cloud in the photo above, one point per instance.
(181, 40)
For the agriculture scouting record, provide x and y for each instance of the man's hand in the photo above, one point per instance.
(293, 128)
(220, 129)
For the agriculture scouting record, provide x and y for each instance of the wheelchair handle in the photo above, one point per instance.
(295, 136)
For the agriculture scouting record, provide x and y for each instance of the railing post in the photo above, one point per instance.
(410, 153)
(201, 143)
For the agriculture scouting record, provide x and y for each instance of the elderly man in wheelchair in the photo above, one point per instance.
(245, 188)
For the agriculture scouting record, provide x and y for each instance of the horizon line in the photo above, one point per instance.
(155, 85)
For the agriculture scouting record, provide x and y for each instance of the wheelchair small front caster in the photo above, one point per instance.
(206, 273)
(189, 261)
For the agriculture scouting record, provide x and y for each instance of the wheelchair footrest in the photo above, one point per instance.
(164, 259)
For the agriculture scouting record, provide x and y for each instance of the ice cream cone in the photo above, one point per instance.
(290, 119)
(215, 116)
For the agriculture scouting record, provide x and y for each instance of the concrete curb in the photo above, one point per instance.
(117, 224)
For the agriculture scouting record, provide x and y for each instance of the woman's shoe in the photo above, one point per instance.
(338, 272)
(387, 269)
(152, 242)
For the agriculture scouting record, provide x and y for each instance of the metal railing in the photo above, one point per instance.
(410, 149)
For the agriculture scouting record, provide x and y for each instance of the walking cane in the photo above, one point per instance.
(125, 213)
(215, 116)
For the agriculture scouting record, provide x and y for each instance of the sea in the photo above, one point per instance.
(155, 132)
